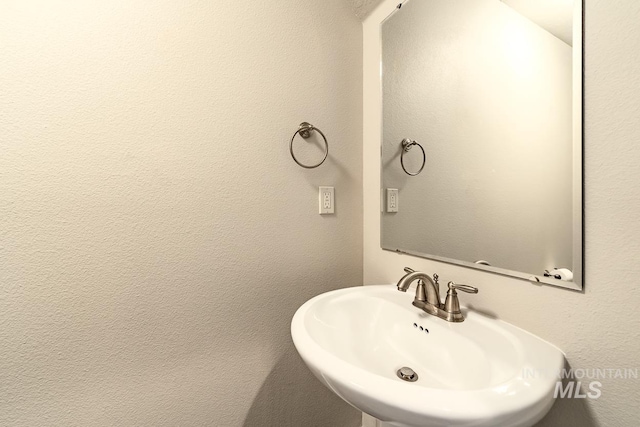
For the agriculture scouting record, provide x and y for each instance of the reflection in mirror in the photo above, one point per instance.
(492, 90)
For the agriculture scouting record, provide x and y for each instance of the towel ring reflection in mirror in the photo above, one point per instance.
(305, 130)
(406, 146)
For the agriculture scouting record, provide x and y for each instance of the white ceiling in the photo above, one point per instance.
(363, 7)
(555, 16)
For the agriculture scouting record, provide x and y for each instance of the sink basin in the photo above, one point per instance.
(481, 372)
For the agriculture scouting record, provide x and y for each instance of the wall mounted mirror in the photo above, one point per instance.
(492, 92)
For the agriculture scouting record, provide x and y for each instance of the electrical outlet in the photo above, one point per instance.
(326, 200)
(392, 200)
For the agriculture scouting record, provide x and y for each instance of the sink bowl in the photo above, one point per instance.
(481, 372)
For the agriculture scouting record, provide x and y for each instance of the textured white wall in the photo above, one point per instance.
(599, 328)
(492, 108)
(155, 235)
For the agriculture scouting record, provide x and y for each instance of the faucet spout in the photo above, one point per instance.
(403, 283)
(433, 293)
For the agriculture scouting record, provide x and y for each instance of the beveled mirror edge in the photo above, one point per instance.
(577, 284)
(578, 144)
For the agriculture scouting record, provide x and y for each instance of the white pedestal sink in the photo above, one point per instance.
(481, 372)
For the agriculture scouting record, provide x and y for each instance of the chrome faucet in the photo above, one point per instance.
(428, 295)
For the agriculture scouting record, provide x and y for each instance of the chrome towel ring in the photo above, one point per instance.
(406, 146)
(305, 129)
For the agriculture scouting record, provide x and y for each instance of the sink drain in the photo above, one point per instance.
(407, 374)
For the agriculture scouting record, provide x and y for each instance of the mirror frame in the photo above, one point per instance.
(577, 175)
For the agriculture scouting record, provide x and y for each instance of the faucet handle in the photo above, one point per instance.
(452, 305)
(463, 288)
(409, 270)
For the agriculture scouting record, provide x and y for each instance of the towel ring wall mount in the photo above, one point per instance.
(407, 144)
(305, 130)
